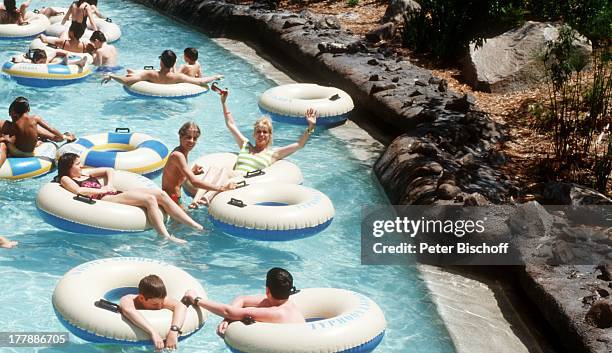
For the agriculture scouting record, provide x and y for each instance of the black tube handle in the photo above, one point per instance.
(248, 320)
(84, 199)
(149, 67)
(335, 97)
(236, 202)
(241, 184)
(106, 305)
(109, 20)
(254, 173)
(124, 129)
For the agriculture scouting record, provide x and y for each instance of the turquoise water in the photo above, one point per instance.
(224, 264)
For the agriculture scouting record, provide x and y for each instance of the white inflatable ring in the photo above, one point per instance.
(47, 75)
(64, 210)
(37, 24)
(111, 31)
(281, 171)
(289, 103)
(16, 168)
(78, 290)
(274, 212)
(59, 17)
(146, 89)
(350, 322)
(132, 152)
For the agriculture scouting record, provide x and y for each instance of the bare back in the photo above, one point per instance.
(287, 313)
(79, 13)
(191, 70)
(26, 133)
(106, 56)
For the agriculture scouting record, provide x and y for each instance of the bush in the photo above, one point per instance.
(353, 3)
(446, 28)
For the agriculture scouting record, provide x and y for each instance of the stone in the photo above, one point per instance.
(373, 62)
(327, 22)
(381, 87)
(333, 48)
(509, 62)
(600, 314)
(606, 271)
(382, 32)
(293, 22)
(448, 191)
(398, 8)
(559, 193)
(374, 77)
(463, 104)
(475, 199)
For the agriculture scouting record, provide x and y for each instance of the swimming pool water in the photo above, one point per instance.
(226, 265)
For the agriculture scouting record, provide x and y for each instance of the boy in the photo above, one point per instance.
(177, 171)
(273, 307)
(104, 54)
(27, 130)
(152, 296)
(192, 67)
(162, 76)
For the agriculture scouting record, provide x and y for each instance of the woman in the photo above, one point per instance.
(70, 176)
(10, 15)
(80, 11)
(252, 157)
(72, 44)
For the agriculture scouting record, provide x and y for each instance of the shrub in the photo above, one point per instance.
(353, 3)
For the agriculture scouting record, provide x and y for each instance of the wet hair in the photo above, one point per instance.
(152, 286)
(19, 106)
(168, 58)
(65, 162)
(280, 283)
(92, 2)
(10, 6)
(98, 35)
(189, 126)
(78, 29)
(191, 53)
(39, 54)
(79, 2)
(264, 122)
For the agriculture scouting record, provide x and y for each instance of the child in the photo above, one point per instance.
(273, 307)
(104, 54)
(192, 66)
(152, 296)
(28, 130)
(177, 171)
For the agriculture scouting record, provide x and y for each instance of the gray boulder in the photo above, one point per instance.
(397, 8)
(509, 61)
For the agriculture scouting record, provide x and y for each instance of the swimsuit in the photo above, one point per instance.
(93, 183)
(248, 162)
(64, 45)
(176, 199)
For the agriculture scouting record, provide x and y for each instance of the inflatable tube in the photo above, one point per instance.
(280, 172)
(62, 209)
(79, 289)
(288, 103)
(145, 89)
(132, 152)
(340, 321)
(36, 24)
(273, 212)
(59, 17)
(47, 75)
(111, 30)
(43, 161)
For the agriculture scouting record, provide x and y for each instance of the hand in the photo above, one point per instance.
(218, 77)
(69, 137)
(190, 294)
(230, 186)
(222, 327)
(158, 342)
(197, 170)
(311, 117)
(108, 188)
(106, 78)
(224, 95)
(129, 72)
(172, 340)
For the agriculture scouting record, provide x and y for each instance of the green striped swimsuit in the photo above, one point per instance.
(248, 162)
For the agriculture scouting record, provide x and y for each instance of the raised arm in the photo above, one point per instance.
(231, 312)
(134, 316)
(200, 81)
(282, 152)
(126, 80)
(68, 13)
(231, 125)
(91, 18)
(48, 132)
(178, 318)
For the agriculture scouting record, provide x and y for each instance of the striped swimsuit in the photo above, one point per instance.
(248, 162)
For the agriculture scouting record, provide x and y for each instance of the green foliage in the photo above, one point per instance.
(353, 3)
(446, 28)
(578, 115)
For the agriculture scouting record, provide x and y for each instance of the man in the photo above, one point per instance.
(104, 54)
(152, 296)
(27, 130)
(163, 76)
(177, 171)
(273, 307)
